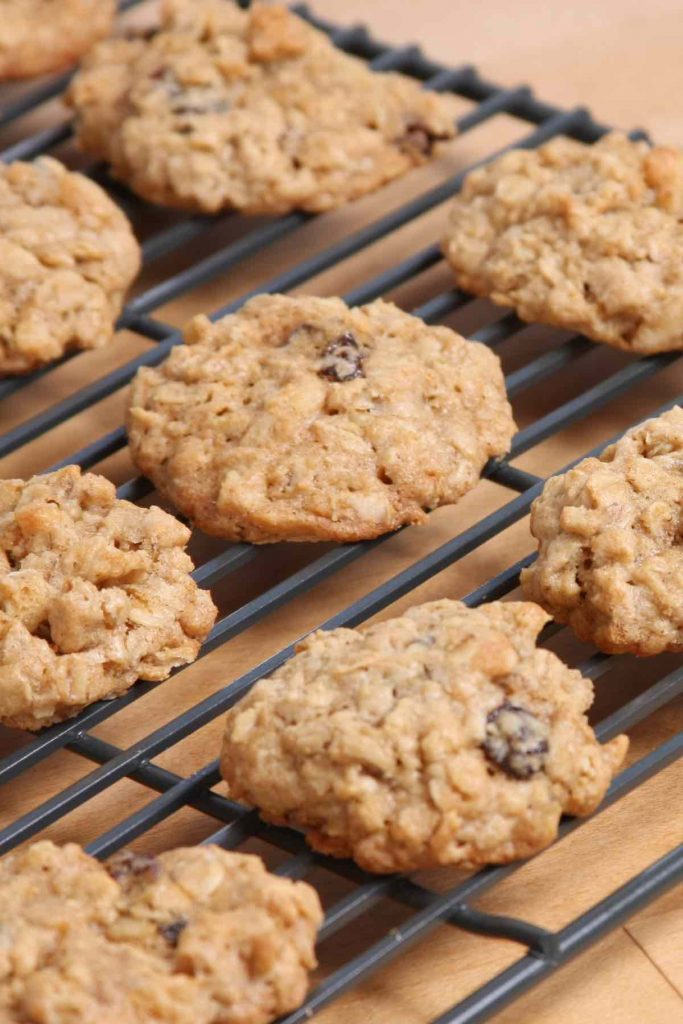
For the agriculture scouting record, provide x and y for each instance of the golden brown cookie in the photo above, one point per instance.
(38, 36)
(302, 419)
(610, 535)
(589, 238)
(193, 936)
(67, 256)
(251, 109)
(95, 593)
(443, 736)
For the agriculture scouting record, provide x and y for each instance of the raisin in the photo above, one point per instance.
(140, 33)
(516, 740)
(171, 931)
(127, 864)
(342, 359)
(420, 138)
(168, 82)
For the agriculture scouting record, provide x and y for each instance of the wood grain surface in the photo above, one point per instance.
(622, 58)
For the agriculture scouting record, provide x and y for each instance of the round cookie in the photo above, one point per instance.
(587, 238)
(95, 593)
(193, 936)
(38, 36)
(67, 256)
(302, 419)
(440, 737)
(254, 110)
(610, 535)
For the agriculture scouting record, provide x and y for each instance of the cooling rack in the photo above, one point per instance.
(542, 950)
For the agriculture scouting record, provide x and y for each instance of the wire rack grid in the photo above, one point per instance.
(425, 907)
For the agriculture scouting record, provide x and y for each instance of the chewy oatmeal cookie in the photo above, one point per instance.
(193, 936)
(67, 256)
(95, 593)
(302, 419)
(440, 737)
(38, 36)
(251, 109)
(610, 535)
(588, 238)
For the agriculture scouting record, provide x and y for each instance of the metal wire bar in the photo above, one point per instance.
(583, 932)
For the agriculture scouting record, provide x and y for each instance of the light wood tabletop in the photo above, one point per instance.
(622, 58)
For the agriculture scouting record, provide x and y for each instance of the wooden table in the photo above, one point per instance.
(623, 59)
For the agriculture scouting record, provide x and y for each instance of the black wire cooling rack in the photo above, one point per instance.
(425, 908)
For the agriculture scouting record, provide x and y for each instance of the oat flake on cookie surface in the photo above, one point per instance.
(253, 109)
(443, 736)
(67, 257)
(588, 238)
(95, 593)
(610, 535)
(39, 36)
(304, 419)
(193, 936)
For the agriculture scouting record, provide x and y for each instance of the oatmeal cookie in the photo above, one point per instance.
(302, 419)
(39, 36)
(610, 535)
(94, 594)
(67, 256)
(588, 238)
(440, 737)
(254, 110)
(193, 936)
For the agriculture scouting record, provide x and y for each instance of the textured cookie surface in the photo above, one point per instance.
(440, 737)
(94, 594)
(37, 36)
(589, 238)
(193, 936)
(302, 419)
(610, 534)
(67, 256)
(249, 109)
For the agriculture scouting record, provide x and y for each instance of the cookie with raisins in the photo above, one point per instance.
(302, 419)
(443, 736)
(197, 935)
(252, 109)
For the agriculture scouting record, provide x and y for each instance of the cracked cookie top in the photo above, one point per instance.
(588, 238)
(39, 36)
(95, 593)
(610, 535)
(443, 736)
(254, 109)
(67, 256)
(303, 419)
(193, 936)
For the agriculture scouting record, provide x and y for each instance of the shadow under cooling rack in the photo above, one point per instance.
(545, 950)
